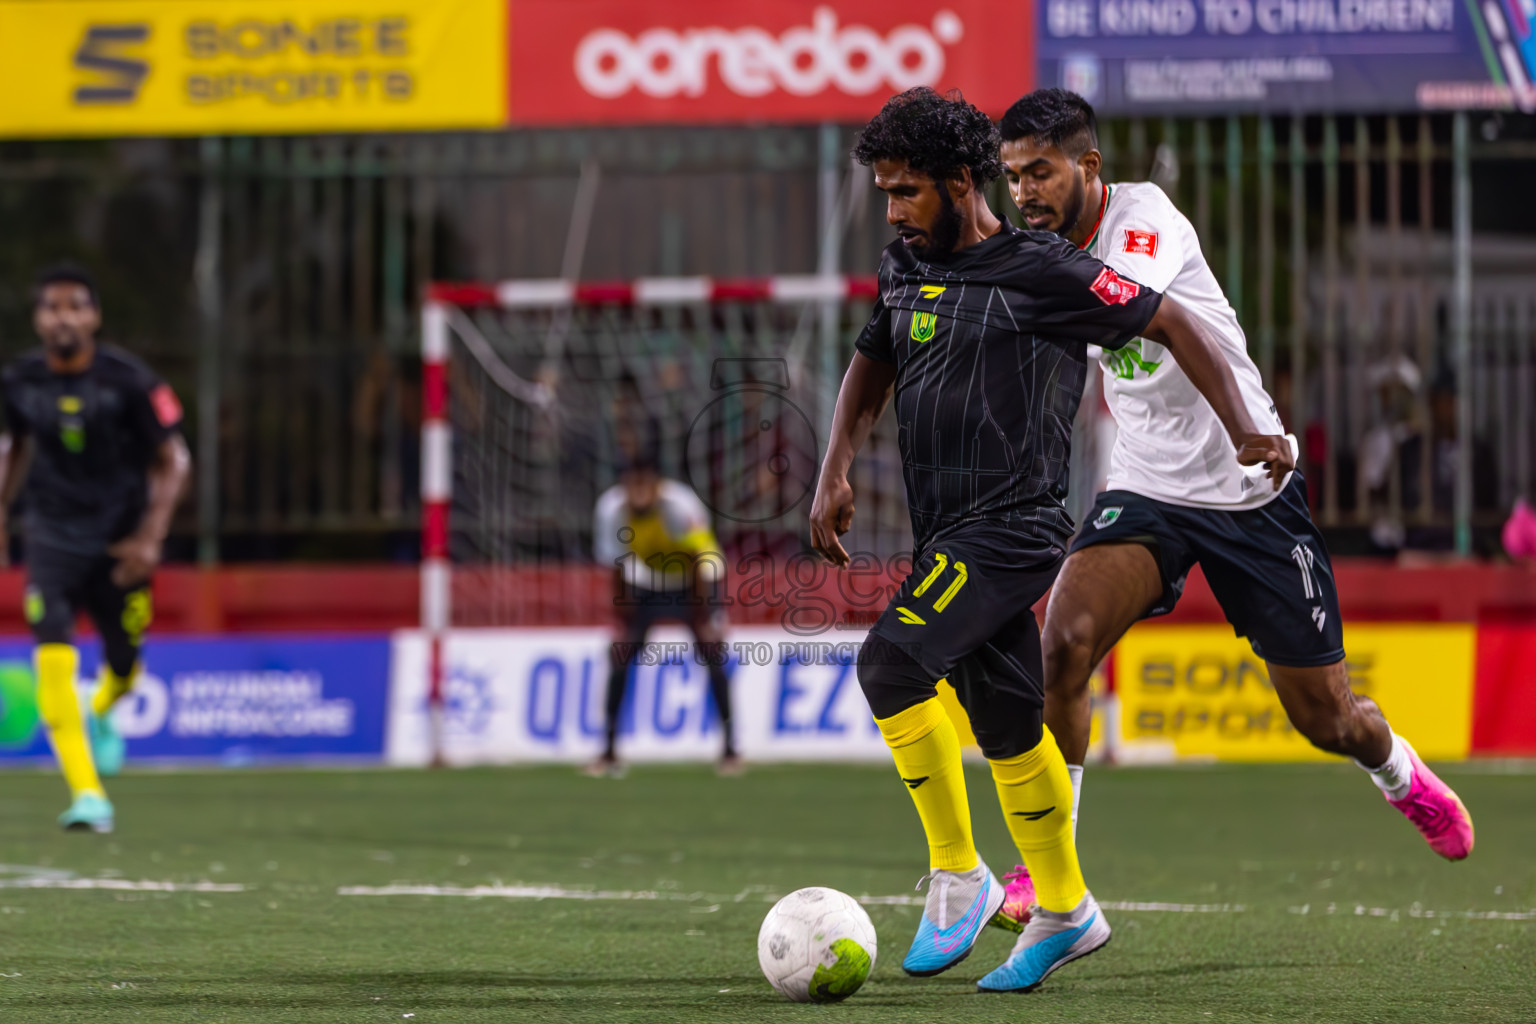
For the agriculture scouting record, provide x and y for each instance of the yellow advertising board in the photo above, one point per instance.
(1096, 732)
(193, 67)
(1199, 692)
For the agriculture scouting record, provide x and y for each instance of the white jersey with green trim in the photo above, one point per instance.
(1170, 445)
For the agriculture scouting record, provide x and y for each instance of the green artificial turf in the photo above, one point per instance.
(1262, 842)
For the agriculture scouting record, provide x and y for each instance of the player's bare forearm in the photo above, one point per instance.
(10, 472)
(866, 391)
(1199, 356)
(168, 475)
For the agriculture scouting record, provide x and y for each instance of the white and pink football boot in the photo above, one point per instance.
(1437, 812)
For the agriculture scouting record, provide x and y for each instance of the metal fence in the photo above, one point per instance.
(275, 281)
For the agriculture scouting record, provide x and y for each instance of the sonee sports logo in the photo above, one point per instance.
(118, 76)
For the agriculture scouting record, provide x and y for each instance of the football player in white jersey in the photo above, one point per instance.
(1177, 496)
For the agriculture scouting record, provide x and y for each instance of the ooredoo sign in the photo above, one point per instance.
(698, 61)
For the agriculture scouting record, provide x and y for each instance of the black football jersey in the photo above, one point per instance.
(990, 348)
(94, 435)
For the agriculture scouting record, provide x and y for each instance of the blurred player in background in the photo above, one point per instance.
(980, 333)
(1177, 496)
(107, 467)
(667, 567)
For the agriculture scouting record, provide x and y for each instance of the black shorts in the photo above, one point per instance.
(965, 611)
(1268, 567)
(60, 584)
(645, 609)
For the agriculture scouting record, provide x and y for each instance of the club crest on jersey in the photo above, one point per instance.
(1140, 243)
(1108, 516)
(1114, 290)
(923, 326)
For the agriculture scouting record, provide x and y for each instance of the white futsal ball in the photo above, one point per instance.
(816, 946)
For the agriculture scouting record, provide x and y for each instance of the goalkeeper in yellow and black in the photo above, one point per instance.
(667, 567)
(107, 466)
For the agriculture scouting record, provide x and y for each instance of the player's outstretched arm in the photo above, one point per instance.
(139, 553)
(866, 391)
(1198, 356)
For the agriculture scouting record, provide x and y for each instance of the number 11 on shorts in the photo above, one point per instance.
(941, 562)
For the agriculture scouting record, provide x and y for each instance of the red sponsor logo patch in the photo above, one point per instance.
(166, 405)
(1140, 243)
(1114, 290)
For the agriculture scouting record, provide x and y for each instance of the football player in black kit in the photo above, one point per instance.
(980, 334)
(95, 435)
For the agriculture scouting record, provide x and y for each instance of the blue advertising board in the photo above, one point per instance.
(1290, 56)
(228, 699)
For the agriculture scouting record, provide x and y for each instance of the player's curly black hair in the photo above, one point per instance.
(64, 273)
(1055, 117)
(936, 134)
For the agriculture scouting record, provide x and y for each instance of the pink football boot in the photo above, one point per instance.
(1435, 810)
(1018, 897)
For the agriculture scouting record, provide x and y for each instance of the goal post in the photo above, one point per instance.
(534, 390)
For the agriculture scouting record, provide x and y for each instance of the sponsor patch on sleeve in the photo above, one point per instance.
(1114, 290)
(166, 405)
(1140, 243)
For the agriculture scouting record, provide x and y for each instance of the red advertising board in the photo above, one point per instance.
(704, 62)
(1504, 702)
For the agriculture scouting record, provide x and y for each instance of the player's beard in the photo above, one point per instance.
(945, 234)
(65, 345)
(1073, 209)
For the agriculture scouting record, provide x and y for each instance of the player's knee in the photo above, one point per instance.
(1018, 734)
(1067, 649)
(121, 659)
(52, 633)
(891, 680)
(52, 623)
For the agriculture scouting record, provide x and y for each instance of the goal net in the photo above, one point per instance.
(536, 392)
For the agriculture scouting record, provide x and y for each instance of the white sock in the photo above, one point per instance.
(1394, 776)
(1076, 772)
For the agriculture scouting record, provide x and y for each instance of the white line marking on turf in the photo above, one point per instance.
(556, 892)
(1175, 908)
(524, 892)
(119, 885)
(1131, 905)
(1416, 911)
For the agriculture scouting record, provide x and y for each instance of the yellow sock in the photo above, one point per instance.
(927, 753)
(1036, 793)
(111, 687)
(59, 707)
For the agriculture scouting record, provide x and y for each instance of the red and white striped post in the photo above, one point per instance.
(436, 494)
